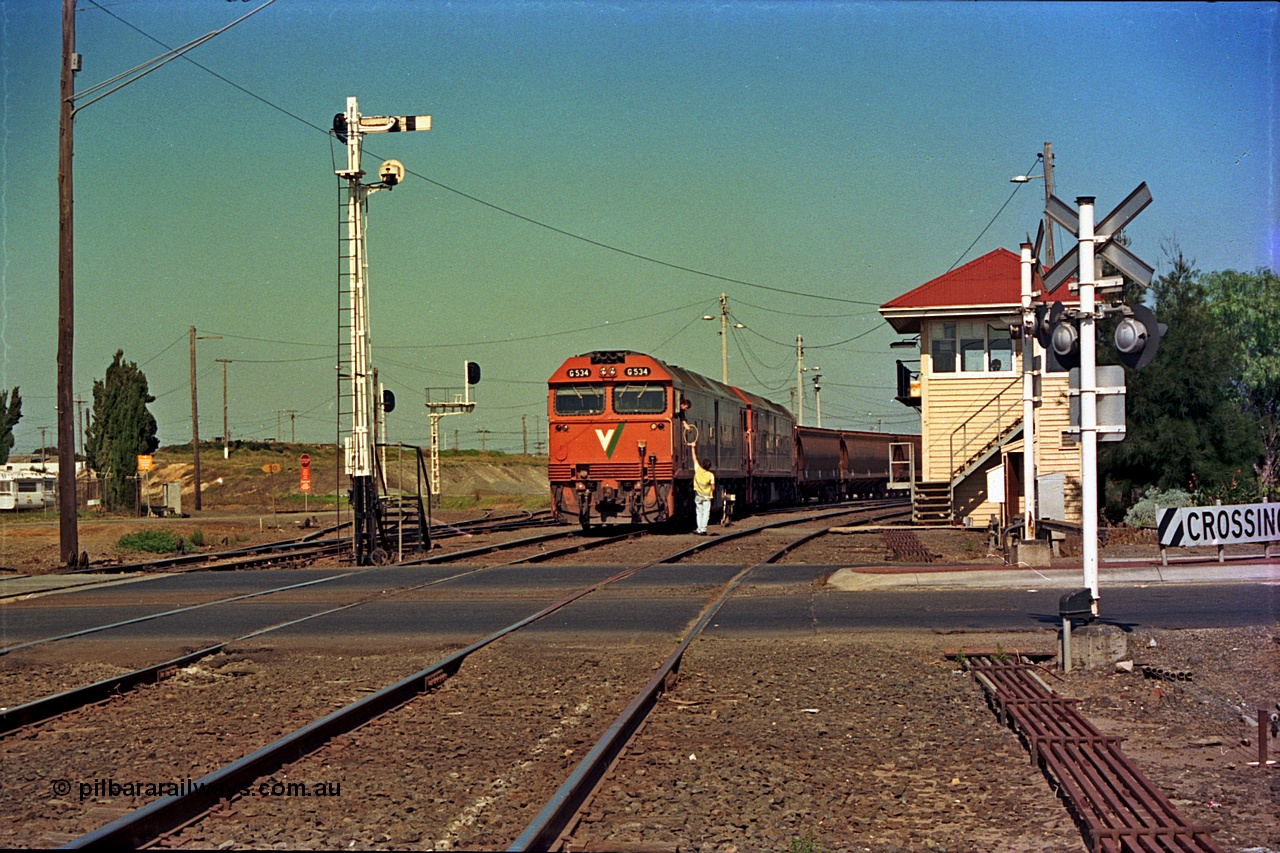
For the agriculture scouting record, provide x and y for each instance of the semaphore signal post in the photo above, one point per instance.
(349, 128)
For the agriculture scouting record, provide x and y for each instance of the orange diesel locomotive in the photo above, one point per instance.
(619, 426)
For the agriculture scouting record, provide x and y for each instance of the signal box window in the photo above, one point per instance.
(999, 349)
(639, 400)
(580, 400)
(970, 346)
(973, 346)
(942, 347)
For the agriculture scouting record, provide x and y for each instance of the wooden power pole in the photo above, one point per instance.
(195, 422)
(69, 533)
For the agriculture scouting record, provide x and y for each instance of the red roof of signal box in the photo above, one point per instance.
(991, 283)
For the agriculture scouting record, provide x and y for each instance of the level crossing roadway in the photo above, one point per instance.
(777, 598)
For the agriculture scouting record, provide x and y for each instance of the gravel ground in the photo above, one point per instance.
(870, 742)
(465, 767)
(859, 741)
(1190, 737)
(205, 716)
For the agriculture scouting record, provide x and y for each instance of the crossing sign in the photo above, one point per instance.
(1112, 224)
(1218, 525)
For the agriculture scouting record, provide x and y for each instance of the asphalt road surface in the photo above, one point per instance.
(662, 599)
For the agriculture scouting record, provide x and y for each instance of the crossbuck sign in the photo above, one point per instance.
(1218, 525)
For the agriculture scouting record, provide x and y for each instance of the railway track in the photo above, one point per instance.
(164, 815)
(308, 547)
(54, 705)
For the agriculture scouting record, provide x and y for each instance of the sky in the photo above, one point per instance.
(596, 175)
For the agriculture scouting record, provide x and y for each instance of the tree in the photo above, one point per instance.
(1185, 426)
(121, 430)
(1247, 307)
(10, 414)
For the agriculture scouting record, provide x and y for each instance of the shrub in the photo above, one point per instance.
(1143, 513)
(158, 541)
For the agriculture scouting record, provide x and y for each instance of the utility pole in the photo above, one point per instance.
(724, 336)
(80, 427)
(483, 434)
(68, 532)
(195, 424)
(1088, 399)
(801, 370)
(195, 415)
(799, 376)
(1048, 194)
(524, 431)
(293, 432)
(226, 429)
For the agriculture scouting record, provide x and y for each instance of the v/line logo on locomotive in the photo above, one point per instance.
(620, 425)
(609, 439)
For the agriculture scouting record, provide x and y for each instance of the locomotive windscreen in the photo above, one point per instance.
(639, 400)
(579, 400)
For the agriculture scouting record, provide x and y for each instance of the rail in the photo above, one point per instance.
(167, 813)
(550, 827)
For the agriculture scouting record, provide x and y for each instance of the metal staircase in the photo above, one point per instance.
(403, 517)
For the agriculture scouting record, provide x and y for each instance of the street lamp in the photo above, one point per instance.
(817, 400)
(724, 336)
(1047, 176)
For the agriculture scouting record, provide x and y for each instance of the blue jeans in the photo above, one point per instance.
(702, 508)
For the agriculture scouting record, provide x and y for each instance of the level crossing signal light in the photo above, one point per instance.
(1059, 333)
(1137, 336)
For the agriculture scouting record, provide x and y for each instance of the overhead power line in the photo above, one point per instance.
(499, 208)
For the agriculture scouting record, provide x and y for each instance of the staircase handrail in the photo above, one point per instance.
(993, 428)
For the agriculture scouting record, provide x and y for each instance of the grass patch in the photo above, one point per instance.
(158, 541)
(807, 843)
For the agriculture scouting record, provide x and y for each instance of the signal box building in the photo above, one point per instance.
(967, 384)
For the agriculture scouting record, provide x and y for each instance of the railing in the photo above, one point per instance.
(421, 513)
(1004, 416)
